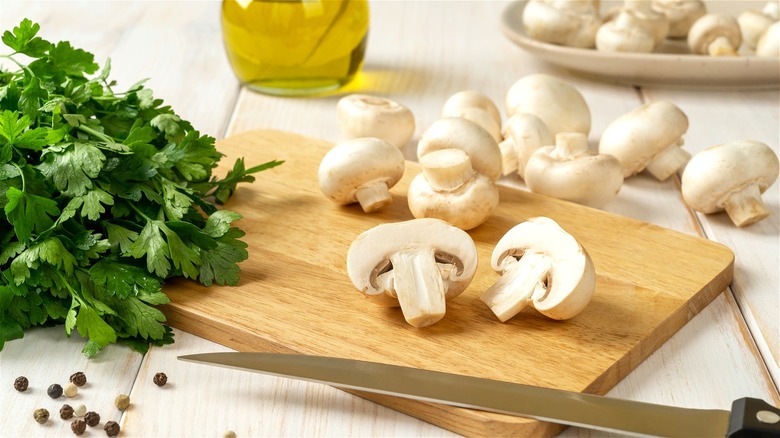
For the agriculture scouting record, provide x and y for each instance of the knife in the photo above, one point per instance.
(748, 417)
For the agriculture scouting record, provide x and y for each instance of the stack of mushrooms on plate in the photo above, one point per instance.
(421, 263)
(642, 26)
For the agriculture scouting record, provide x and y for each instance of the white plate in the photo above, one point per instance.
(670, 66)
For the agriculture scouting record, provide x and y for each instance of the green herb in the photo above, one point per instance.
(105, 195)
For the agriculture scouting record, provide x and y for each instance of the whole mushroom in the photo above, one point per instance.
(543, 266)
(523, 134)
(769, 44)
(566, 22)
(648, 137)
(570, 171)
(361, 115)
(625, 33)
(361, 170)
(416, 264)
(681, 14)
(461, 100)
(715, 35)
(731, 177)
(752, 24)
(556, 102)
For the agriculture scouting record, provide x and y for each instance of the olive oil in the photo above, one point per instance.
(295, 47)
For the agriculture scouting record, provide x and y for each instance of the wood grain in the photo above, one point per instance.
(295, 295)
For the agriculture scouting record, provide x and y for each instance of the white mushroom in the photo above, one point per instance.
(772, 9)
(361, 115)
(715, 35)
(523, 134)
(543, 266)
(558, 103)
(681, 14)
(566, 22)
(461, 163)
(570, 171)
(625, 33)
(361, 170)
(731, 177)
(416, 264)
(769, 43)
(636, 15)
(648, 137)
(470, 99)
(752, 24)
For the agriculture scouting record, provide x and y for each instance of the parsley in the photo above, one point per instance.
(105, 195)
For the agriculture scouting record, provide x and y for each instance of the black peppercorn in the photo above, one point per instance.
(21, 383)
(41, 415)
(78, 378)
(66, 412)
(111, 428)
(54, 391)
(160, 379)
(78, 426)
(92, 418)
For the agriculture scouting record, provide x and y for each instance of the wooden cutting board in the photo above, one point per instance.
(295, 296)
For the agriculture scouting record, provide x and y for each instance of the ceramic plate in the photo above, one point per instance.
(671, 65)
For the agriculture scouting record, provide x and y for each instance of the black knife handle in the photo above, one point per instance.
(752, 417)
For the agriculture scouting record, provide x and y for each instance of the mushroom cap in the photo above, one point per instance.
(567, 22)
(362, 115)
(454, 105)
(483, 119)
(369, 254)
(528, 133)
(624, 34)
(681, 14)
(572, 279)
(463, 134)
(558, 103)
(769, 43)
(588, 179)
(357, 163)
(638, 136)
(718, 171)
(753, 24)
(710, 27)
(655, 22)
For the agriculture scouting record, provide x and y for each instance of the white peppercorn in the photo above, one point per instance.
(70, 390)
(80, 410)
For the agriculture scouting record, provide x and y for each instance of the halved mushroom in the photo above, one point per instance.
(649, 136)
(416, 264)
(681, 14)
(543, 266)
(361, 115)
(567, 22)
(715, 35)
(361, 170)
(523, 135)
(558, 103)
(570, 171)
(731, 177)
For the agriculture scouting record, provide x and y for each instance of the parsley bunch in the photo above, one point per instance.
(105, 195)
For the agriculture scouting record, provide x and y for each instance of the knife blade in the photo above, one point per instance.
(748, 417)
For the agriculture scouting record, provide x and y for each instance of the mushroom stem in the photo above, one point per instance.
(745, 206)
(419, 286)
(523, 280)
(509, 161)
(373, 197)
(721, 46)
(569, 145)
(447, 169)
(668, 162)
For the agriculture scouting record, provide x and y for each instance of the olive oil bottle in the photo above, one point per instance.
(295, 47)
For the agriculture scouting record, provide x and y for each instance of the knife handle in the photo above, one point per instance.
(752, 417)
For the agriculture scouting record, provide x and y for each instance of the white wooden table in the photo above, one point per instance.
(419, 53)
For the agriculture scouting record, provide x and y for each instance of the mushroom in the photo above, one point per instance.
(731, 177)
(715, 35)
(648, 137)
(361, 170)
(769, 43)
(566, 22)
(541, 265)
(633, 16)
(570, 171)
(416, 264)
(361, 115)
(625, 33)
(558, 103)
(475, 106)
(460, 163)
(752, 24)
(523, 134)
(681, 14)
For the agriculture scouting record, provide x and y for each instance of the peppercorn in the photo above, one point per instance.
(111, 428)
(21, 383)
(54, 391)
(66, 412)
(78, 378)
(78, 426)
(160, 379)
(80, 410)
(122, 401)
(70, 390)
(92, 418)
(41, 415)
(229, 434)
